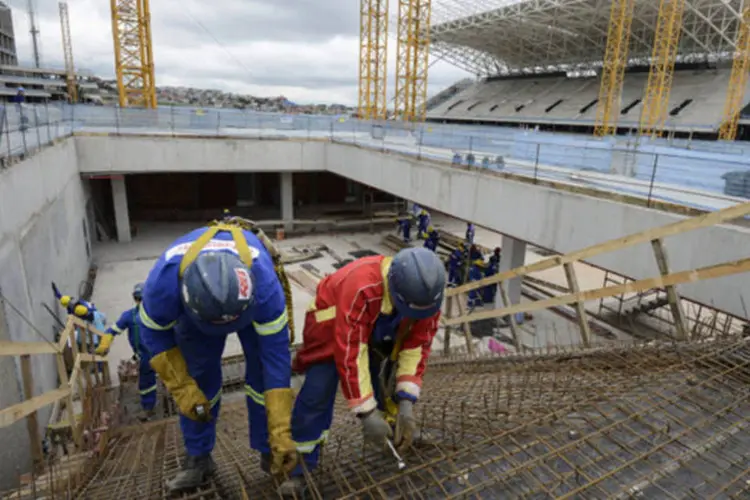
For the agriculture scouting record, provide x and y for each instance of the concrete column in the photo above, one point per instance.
(287, 201)
(513, 255)
(120, 201)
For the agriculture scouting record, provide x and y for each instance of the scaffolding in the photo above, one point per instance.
(412, 60)
(134, 61)
(613, 68)
(373, 59)
(737, 81)
(67, 42)
(663, 58)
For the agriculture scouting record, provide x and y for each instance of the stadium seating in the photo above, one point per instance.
(696, 101)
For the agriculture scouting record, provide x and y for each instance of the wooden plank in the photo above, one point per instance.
(66, 334)
(32, 424)
(583, 320)
(702, 221)
(11, 415)
(90, 358)
(10, 348)
(675, 302)
(466, 325)
(511, 318)
(710, 272)
(447, 329)
(83, 324)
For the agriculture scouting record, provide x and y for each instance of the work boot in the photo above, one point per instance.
(146, 415)
(195, 471)
(293, 487)
(265, 462)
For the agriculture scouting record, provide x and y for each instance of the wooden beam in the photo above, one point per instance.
(66, 334)
(675, 302)
(710, 272)
(511, 318)
(702, 221)
(447, 329)
(12, 414)
(466, 326)
(10, 348)
(32, 424)
(87, 326)
(90, 358)
(583, 320)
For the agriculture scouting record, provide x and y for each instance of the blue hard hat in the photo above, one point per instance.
(416, 282)
(138, 291)
(217, 287)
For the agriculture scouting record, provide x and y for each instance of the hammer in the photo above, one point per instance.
(401, 463)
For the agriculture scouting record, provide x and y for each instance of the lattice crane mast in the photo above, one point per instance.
(67, 42)
(134, 60)
(412, 60)
(663, 58)
(737, 80)
(373, 59)
(613, 69)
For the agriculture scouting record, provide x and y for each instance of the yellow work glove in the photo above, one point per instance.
(172, 369)
(104, 344)
(279, 404)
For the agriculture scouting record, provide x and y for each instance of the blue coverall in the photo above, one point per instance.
(404, 228)
(454, 267)
(130, 321)
(432, 240)
(488, 292)
(262, 330)
(476, 273)
(470, 233)
(424, 221)
(97, 319)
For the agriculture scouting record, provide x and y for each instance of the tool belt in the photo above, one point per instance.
(235, 225)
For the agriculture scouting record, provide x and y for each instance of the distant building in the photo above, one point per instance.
(42, 84)
(8, 54)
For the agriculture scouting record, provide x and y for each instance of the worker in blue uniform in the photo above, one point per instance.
(489, 291)
(83, 310)
(495, 258)
(404, 227)
(422, 223)
(433, 239)
(209, 283)
(470, 233)
(130, 321)
(455, 263)
(476, 273)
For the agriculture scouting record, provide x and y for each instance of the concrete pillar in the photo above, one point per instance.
(120, 201)
(513, 255)
(287, 201)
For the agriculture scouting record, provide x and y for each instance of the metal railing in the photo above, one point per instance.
(699, 174)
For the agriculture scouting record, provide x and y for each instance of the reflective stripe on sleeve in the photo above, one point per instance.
(273, 326)
(151, 324)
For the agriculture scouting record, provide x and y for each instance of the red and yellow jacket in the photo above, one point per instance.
(340, 324)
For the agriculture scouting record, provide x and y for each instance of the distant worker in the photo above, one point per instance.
(423, 223)
(130, 321)
(85, 311)
(475, 253)
(489, 291)
(433, 239)
(494, 259)
(209, 283)
(455, 263)
(476, 273)
(469, 233)
(404, 227)
(370, 316)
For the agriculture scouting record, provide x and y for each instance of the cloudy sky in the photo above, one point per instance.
(306, 50)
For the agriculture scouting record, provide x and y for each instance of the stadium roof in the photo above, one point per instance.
(491, 37)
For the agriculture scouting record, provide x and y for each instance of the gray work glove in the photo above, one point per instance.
(406, 425)
(375, 429)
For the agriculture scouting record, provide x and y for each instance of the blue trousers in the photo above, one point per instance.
(203, 356)
(313, 410)
(146, 382)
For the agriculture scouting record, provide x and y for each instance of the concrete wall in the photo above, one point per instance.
(42, 210)
(554, 219)
(102, 154)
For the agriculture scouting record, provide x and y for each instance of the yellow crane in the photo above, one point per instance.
(373, 59)
(737, 80)
(67, 42)
(663, 58)
(412, 60)
(134, 60)
(613, 68)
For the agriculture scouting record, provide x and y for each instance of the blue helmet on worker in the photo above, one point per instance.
(217, 287)
(416, 283)
(138, 292)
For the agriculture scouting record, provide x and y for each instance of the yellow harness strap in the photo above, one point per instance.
(391, 408)
(235, 226)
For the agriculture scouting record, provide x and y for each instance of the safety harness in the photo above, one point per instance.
(235, 225)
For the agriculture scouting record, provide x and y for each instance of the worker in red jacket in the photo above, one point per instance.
(369, 329)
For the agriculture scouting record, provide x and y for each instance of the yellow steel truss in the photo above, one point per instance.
(613, 69)
(70, 69)
(412, 60)
(373, 59)
(737, 81)
(663, 57)
(134, 61)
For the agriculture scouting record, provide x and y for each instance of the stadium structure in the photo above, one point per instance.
(612, 357)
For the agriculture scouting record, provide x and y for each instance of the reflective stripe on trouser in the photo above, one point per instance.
(203, 356)
(146, 384)
(254, 388)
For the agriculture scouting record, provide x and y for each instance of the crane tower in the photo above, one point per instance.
(412, 59)
(134, 61)
(373, 59)
(70, 70)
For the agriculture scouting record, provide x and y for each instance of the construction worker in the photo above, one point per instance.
(422, 223)
(369, 329)
(469, 233)
(494, 259)
(455, 263)
(432, 240)
(404, 227)
(130, 321)
(209, 283)
(476, 273)
(489, 291)
(83, 310)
